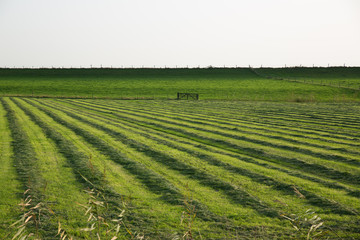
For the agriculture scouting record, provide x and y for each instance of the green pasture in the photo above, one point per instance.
(199, 169)
(342, 77)
(106, 153)
(211, 83)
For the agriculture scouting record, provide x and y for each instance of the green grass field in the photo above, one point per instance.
(77, 161)
(216, 83)
(239, 166)
(335, 76)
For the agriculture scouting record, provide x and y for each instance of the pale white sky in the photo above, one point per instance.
(179, 32)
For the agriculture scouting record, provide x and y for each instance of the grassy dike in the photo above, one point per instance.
(212, 83)
(333, 76)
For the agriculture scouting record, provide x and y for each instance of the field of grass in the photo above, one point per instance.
(335, 76)
(208, 169)
(213, 83)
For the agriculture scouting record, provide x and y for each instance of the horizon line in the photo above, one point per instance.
(171, 67)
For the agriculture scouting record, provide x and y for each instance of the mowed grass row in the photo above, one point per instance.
(259, 112)
(289, 135)
(60, 189)
(47, 178)
(115, 175)
(61, 195)
(255, 130)
(204, 194)
(337, 222)
(124, 122)
(177, 145)
(254, 126)
(354, 201)
(258, 137)
(150, 202)
(335, 170)
(25, 161)
(255, 111)
(109, 115)
(10, 187)
(326, 183)
(333, 114)
(153, 162)
(239, 118)
(159, 151)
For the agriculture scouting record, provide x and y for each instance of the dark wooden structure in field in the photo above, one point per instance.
(187, 96)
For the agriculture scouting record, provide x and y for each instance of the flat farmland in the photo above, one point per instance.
(200, 169)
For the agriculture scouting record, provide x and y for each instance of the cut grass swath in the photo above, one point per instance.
(89, 176)
(280, 186)
(237, 195)
(295, 163)
(28, 172)
(153, 181)
(110, 117)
